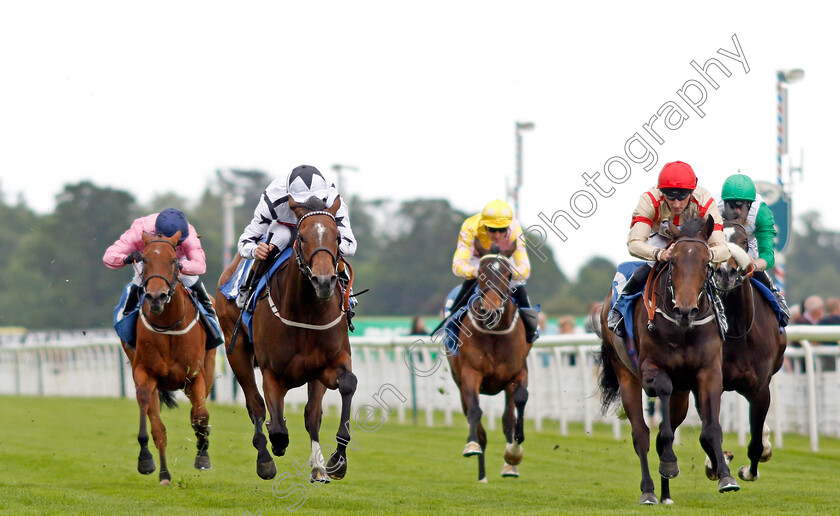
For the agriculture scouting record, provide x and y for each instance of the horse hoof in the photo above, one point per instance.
(727, 484)
(146, 466)
(483, 480)
(669, 469)
(767, 453)
(510, 470)
(266, 470)
(164, 482)
(710, 473)
(472, 448)
(319, 476)
(513, 454)
(337, 467)
(202, 461)
(648, 499)
(744, 474)
(667, 501)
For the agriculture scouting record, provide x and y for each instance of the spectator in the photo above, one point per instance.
(418, 326)
(813, 311)
(566, 324)
(832, 307)
(545, 329)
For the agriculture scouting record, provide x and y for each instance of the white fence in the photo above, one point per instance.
(562, 380)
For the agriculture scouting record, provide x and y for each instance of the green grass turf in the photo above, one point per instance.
(69, 455)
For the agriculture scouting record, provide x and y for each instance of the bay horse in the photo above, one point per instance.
(491, 358)
(753, 347)
(679, 348)
(170, 355)
(300, 337)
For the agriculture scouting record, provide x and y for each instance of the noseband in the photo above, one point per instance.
(304, 264)
(482, 293)
(171, 284)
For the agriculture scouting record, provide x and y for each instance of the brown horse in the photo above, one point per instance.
(492, 357)
(299, 337)
(170, 355)
(753, 348)
(679, 351)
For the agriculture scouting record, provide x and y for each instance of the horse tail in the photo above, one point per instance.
(607, 379)
(167, 398)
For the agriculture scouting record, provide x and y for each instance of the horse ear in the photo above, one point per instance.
(174, 238)
(335, 205)
(146, 238)
(296, 208)
(510, 250)
(708, 227)
(480, 249)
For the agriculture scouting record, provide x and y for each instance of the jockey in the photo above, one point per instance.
(495, 225)
(656, 221)
(128, 250)
(274, 217)
(740, 198)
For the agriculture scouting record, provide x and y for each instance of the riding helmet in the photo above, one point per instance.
(677, 175)
(170, 221)
(738, 187)
(497, 214)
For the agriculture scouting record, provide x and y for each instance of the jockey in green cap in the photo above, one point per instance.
(738, 197)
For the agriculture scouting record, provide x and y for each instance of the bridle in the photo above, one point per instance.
(305, 264)
(176, 269)
(738, 283)
(498, 312)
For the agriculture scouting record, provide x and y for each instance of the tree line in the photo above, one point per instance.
(52, 275)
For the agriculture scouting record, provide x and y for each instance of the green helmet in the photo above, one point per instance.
(738, 187)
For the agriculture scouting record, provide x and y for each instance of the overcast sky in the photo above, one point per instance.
(422, 97)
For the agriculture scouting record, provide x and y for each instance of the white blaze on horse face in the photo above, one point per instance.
(728, 232)
(321, 229)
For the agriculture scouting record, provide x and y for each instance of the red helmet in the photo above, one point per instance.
(677, 175)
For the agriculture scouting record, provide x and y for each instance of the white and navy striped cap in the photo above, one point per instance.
(307, 181)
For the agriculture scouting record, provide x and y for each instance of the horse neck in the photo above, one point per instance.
(739, 305)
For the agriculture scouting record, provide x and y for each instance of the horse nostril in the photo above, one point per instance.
(692, 314)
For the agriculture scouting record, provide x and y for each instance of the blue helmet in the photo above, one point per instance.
(170, 221)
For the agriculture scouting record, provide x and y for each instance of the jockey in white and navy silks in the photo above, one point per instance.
(273, 215)
(274, 218)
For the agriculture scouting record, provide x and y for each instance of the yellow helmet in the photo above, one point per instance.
(497, 214)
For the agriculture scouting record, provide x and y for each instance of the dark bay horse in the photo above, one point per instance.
(753, 347)
(299, 337)
(679, 350)
(492, 357)
(170, 355)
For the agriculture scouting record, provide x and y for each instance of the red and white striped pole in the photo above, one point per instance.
(781, 144)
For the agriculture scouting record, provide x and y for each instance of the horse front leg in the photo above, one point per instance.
(145, 387)
(709, 390)
(312, 419)
(516, 395)
(337, 465)
(242, 364)
(196, 391)
(759, 449)
(631, 399)
(658, 383)
(275, 392)
(678, 411)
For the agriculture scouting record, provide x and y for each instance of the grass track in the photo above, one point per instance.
(68, 455)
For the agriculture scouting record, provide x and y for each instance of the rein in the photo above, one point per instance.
(501, 311)
(303, 264)
(172, 285)
(652, 288)
(175, 269)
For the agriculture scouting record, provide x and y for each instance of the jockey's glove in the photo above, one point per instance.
(133, 257)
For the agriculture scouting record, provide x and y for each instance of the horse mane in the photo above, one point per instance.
(691, 226)
(494, 249)
(313, 204)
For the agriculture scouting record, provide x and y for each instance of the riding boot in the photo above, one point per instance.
(203, 297)
(344, 282)
(530, 316)
(132, 300)
(767, 281)
(635, 284)
(463, 296)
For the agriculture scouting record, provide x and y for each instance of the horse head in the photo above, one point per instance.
(494, 275)
(690, 267)
(316, 245)
(161, 270)
(731, 274)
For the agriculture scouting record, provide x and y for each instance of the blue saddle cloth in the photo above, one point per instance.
(627, 302)
(126, 324)
(768, 295)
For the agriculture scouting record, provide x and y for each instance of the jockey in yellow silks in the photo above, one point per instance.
(495, 225)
